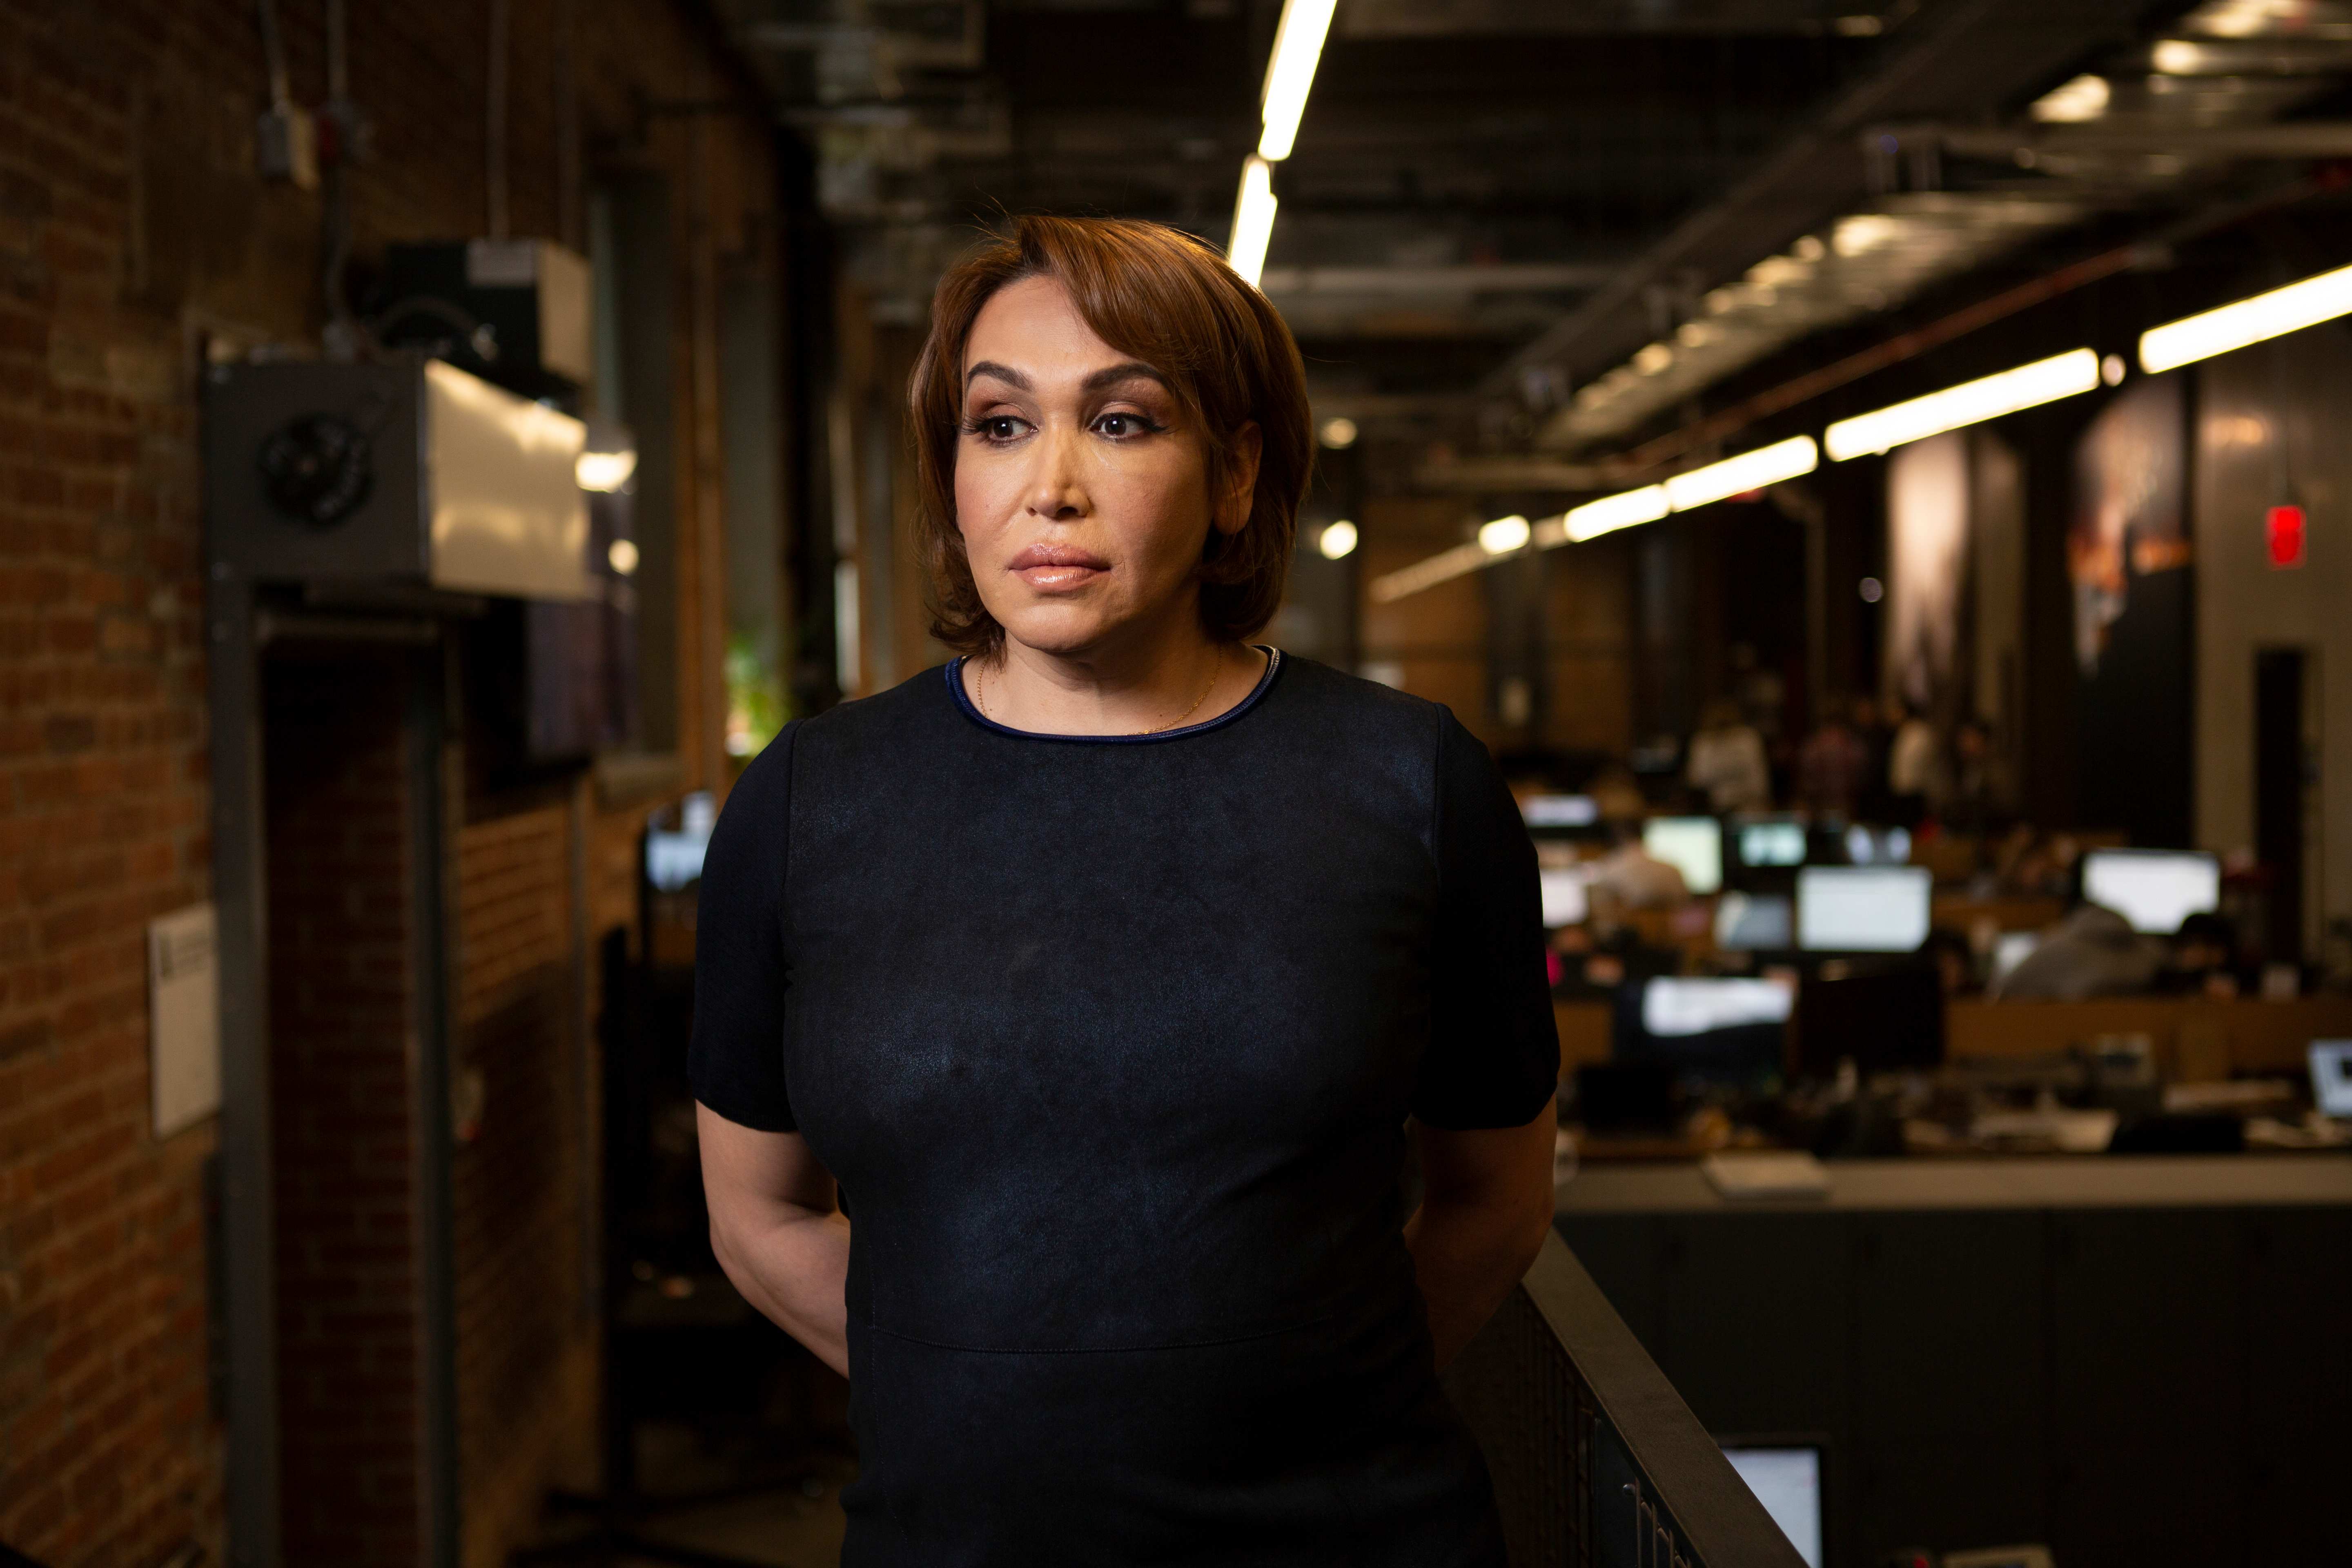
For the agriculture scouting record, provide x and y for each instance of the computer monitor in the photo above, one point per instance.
(1691, 845)
(674, 855)
(1863, 908)
(2155, 889)
(1716, 1029)
(1887, 1018)
(1867, 846)
(2331, 1077)
(1561, 811)
(1785, 1474)
(1564, 900)
(1770, 841)
(1751, 923)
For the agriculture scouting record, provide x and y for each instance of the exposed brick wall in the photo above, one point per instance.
(134, 234)
(342, 1008)
(527, 1388)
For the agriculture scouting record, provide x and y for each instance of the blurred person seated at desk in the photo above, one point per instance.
(1726, 761)
(2094, 951)
(1630, 878)
(1915, 767)
(1973, 796)
(2204, 960)
(1833, 764)
(1586, 962)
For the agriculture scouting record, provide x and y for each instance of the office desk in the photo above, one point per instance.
(2137, 1360)
(2054, 1181)
(2195, 1039)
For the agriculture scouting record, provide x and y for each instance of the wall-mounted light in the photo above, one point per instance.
(603, 472)
(1970, 403)
(1253, 212)
(1337, 542)
(1290, 73)
(622, 556)
(2264, 316)
(1338, 432)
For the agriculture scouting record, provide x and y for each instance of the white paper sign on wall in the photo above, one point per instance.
(183, 1018)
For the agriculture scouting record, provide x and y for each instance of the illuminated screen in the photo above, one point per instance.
(1562, 811)
(1672, 1007)
(1788, 1482)
(1863, 908)
(1691, 845)
(1747, 921)
(1563, 896)
(1772, 843)
(2155, 889)
(2331, 1077)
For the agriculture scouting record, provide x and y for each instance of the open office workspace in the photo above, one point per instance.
(1280, 781)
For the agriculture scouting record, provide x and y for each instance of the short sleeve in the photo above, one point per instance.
(735, 1060)
(1494, 1049)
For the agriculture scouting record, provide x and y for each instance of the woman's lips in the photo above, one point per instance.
(1055, 568)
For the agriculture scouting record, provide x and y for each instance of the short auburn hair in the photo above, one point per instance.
(1167, 299)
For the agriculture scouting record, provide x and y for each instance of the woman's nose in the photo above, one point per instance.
(1054, 490)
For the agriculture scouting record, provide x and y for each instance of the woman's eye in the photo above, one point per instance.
(1120, 426)
(997, 427)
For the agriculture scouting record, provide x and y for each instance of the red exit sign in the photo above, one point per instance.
(2282, 532)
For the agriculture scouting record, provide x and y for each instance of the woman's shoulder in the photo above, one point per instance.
(1358, 712)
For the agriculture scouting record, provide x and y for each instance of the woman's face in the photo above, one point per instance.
(1081, 487)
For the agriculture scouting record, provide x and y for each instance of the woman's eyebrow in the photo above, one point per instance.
(1111, 375)
(1003, 372)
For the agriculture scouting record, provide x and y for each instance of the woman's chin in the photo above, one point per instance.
(1063, 628)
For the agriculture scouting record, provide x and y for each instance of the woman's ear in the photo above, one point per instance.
(1233, 509)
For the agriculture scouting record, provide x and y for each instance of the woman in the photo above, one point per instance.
(1103, 970)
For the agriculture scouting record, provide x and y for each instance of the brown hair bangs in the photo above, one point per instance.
(1170, 301)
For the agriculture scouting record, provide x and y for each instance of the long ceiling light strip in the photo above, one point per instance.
(1289, 77)
(1290, 74)
(1783, 460)
(2253, 321)
(1253, 212)
(1970, 403)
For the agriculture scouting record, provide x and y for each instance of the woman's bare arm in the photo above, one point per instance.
(778, 1233)
(1485, 1204)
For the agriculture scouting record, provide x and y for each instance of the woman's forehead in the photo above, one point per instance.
(1032, 328)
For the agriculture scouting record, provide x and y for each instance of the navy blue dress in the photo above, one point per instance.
(1111, 1043)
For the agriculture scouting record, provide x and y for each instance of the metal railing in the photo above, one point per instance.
(1597, 1461)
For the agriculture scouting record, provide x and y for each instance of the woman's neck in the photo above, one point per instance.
(1143, 684)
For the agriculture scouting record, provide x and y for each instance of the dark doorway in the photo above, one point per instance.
(2285, 784)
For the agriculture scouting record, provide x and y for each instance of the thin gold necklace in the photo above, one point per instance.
(980, 698)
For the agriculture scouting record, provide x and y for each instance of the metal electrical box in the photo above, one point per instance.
(407, 472)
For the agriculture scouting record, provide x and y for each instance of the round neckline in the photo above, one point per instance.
(954, 673)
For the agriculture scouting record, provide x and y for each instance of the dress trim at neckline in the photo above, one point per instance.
(954, 672)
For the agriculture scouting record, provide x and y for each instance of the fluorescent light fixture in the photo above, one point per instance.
(1970, 403)
(1297, 47)
(1253, 213)
(603, 472)
(1337, 542)
(2271, 315)
(1610, 513)
(1505, 534)
(1748, 471)
(1443, 567)
(2076, 102)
